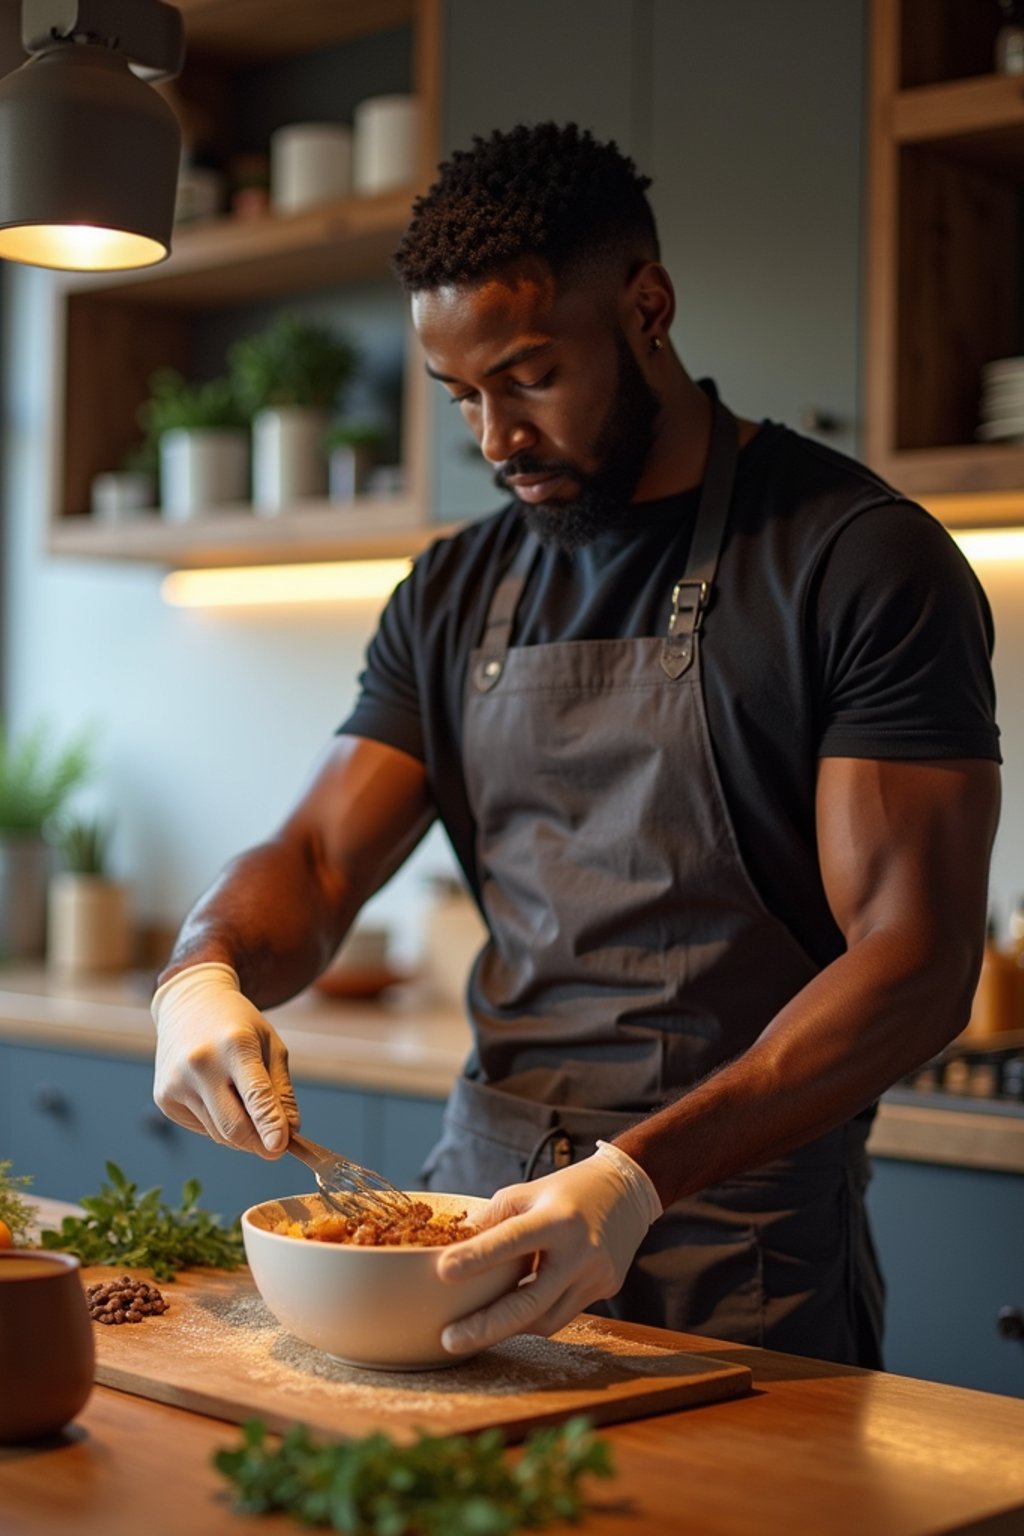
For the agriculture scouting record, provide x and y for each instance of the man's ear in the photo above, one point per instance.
(649, 303)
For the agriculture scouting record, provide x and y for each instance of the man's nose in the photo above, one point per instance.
(503, 433)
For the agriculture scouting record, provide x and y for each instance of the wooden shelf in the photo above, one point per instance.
(979, 121)
(255, 30)
(236, 261)
(945, 256)
(116, 329)
(368, 530)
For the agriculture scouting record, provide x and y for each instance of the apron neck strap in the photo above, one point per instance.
(692, 593)
(497, 635)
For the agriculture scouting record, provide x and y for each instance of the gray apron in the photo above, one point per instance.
(629, 955)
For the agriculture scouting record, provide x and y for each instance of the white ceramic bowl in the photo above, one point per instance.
(383, 1308)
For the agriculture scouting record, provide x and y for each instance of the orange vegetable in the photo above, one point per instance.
(6, 1236)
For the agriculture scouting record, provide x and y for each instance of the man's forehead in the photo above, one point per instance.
(525, 300)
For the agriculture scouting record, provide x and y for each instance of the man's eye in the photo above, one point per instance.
(465, 399)
(535, 383)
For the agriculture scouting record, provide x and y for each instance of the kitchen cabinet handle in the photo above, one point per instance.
(51, 1100)
(1010, 1323)
(156, 1124)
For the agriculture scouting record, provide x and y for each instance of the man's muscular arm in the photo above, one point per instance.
(264, 931)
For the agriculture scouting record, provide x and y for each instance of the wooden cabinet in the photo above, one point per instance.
(65, 1113)
(945, 253)
(253, 64)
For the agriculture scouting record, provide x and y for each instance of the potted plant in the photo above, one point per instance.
(352, 449)
(35, 781)
(118, 495)
(289, 378)
(87, 927)
(199, 432)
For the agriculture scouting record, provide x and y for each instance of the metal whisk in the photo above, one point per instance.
(350, 1188)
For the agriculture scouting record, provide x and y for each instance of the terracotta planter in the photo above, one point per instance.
(88, 927)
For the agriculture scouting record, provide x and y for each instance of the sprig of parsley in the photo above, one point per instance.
(15, 1210)
(141, 1231)
(449, 1485)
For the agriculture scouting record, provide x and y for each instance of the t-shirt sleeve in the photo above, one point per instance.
(904, 638)
(388, 706)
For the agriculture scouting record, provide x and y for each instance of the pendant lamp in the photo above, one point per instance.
(89, 153)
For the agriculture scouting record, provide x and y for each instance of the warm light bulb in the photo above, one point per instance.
(258, 585)
(79, 247)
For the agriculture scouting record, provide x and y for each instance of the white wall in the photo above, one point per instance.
(207, 723)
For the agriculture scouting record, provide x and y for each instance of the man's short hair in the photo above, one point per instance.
(549, 190)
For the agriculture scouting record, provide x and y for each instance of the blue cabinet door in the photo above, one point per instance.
(951, 1245)
(70, 1112)
(400, 1132)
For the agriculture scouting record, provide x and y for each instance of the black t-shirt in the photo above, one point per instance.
(844, 623)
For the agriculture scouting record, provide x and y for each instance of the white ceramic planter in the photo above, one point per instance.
(202, 467)
(348, 469)
(120, 495)
(87, 928)
(288, 460)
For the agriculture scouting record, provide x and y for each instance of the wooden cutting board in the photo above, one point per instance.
(219, 1351)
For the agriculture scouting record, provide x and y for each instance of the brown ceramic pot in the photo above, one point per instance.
(46, 1344)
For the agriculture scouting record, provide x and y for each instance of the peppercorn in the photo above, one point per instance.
(124, 1301)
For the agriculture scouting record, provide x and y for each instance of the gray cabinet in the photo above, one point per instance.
(951, 1245)
(750, 119)
(64, 1113)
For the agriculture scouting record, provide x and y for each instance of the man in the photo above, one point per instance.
(706, 711)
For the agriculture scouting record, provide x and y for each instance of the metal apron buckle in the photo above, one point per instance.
(689, 600)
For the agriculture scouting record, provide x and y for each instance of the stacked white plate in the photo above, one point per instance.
(1002, 401)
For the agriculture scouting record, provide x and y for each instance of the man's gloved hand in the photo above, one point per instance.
(220, 1067)
(584, 1223)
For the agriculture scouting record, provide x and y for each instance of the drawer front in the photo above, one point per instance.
(70, 1113)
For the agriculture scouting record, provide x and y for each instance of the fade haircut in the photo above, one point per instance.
(548, 190)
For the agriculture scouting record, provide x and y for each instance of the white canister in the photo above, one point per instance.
(202, 467)
(288, 459)
(309, 163)
(386, 143)
(121, 494)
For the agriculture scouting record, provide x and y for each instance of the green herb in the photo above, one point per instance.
(292, 362)
(450, 1485)
(83, 844)
(174, 403)
(36, 778)
(141, 1231)
(14, 1208)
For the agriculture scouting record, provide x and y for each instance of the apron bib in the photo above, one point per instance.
(630, 954)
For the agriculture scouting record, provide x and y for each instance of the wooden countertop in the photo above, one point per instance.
(404, 1043)
(818, 1450)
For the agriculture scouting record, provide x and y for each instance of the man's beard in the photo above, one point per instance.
(620, 450)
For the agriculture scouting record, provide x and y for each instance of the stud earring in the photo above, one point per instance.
(656, 344)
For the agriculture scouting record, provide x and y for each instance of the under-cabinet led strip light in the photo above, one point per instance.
(984, 545)
(263, 585)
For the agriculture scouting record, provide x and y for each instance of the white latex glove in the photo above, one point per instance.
(584, 1223)
(220, 1067)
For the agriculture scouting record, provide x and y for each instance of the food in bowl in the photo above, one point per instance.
(378, 1306)
(413, 1224)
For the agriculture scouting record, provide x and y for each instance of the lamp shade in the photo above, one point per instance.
(89, 160)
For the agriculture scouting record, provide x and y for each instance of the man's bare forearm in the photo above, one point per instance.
(868, 1019)
(270, 917)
